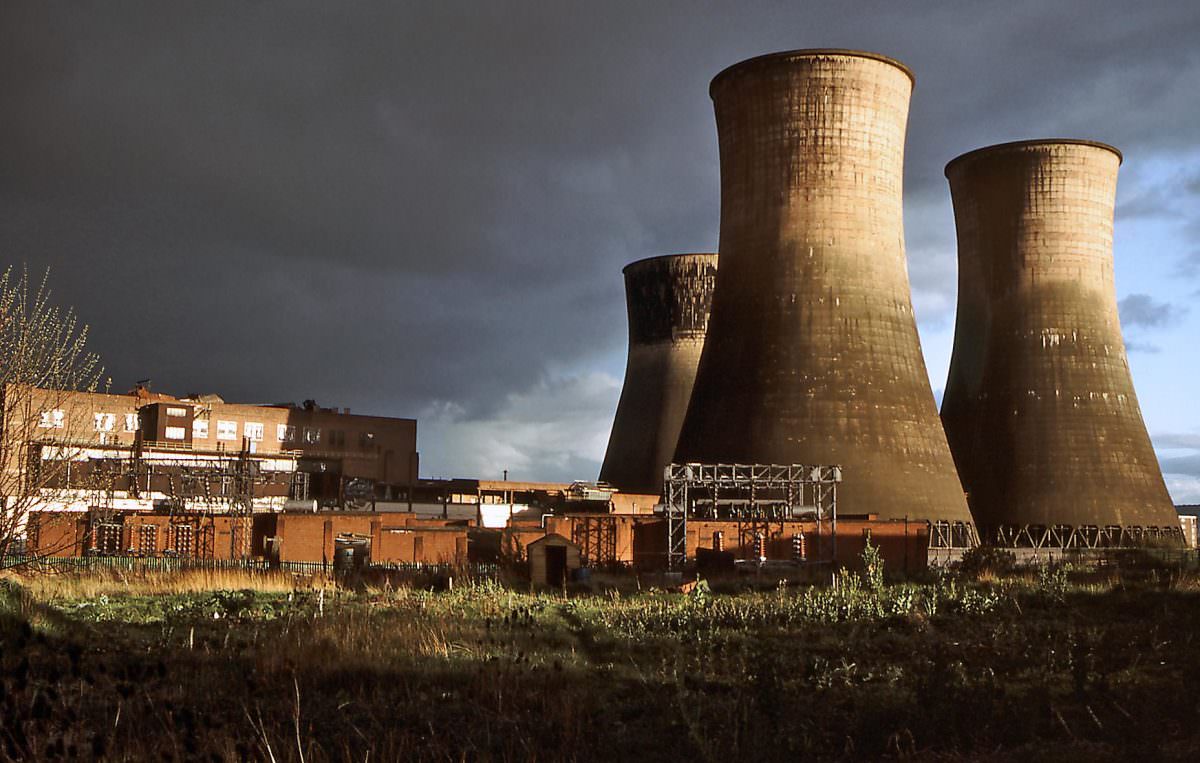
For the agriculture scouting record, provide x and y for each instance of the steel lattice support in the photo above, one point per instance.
(597, 539)
(749, 494)
(1084, 537)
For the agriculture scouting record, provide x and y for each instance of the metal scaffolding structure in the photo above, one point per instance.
(958, 536)
(1085, 537)
(223, 485)
(596, 537)
(750, 494)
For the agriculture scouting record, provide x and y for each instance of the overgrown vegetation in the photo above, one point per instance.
(43, 359)
(1064, 663)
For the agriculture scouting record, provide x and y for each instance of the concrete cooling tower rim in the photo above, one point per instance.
(644, 260)
(770, 58)
(1019, 144)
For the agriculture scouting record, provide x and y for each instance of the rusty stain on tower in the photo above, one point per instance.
(1039, 407)
(812, 354)
(668, 300)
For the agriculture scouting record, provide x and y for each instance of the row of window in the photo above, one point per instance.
(181, 540)
(226, 430)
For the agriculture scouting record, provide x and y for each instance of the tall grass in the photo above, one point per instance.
(235, 665)
(74, 586)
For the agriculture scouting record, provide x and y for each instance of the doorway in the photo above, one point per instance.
(556, 565)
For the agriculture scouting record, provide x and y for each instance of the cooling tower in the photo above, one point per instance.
(812, 353)
(1039, 407)
(668, 299)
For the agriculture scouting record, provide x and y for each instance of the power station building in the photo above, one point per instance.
(1040, 407)
(668, 299)
(776, 390)
(812, 354)
(146, 451)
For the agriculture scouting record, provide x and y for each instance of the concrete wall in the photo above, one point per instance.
(1040, 406)
(812, 354)
(668, 300)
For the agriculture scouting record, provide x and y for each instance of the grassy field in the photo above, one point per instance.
(1043, 665)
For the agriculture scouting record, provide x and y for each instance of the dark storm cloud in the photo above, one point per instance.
(397, 206)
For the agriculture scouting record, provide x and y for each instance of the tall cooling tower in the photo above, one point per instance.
(812, 353)
(668, 299)
(1040, 407)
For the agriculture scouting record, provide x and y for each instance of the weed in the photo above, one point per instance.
(945, 669)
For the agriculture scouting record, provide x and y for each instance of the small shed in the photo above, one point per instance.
(552, 560)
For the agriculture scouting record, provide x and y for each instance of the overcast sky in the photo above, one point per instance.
(422, 209)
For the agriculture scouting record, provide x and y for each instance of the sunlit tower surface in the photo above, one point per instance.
(1039, 407)
(812, 354)
(668, 300)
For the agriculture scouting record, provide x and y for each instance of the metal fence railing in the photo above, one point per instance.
(136, 564)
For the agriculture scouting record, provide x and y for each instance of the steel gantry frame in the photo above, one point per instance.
(596, 537)
(750, 494)
(946, 535)
(221, 485)
(1085, 537)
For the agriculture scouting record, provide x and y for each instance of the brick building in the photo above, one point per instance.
(148, 451)
(280, 537)
(640, 541)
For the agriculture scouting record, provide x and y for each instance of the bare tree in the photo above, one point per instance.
(44, 362)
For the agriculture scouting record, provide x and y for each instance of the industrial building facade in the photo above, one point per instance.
(287, 537)
(147, 451)
(151, 474)
(800, 349)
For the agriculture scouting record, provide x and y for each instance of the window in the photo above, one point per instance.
(107, 538)
(55, 419)
(184, 540)
(200, 430)
(337, 438)
(366, 439)
(285, 433)
(226, 430)
(312, 435)
(105, 422)
(254, 430)
(148, 540)
(176, 433)
(131, 422)
(176, 412)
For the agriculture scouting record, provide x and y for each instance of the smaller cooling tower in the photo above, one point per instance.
(668, 299)
(1040, 408)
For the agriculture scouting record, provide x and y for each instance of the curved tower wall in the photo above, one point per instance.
(668, 299)
(812, 353)
(1039, 407)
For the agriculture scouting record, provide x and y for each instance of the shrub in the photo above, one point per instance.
(986, 561)
(872, 564)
